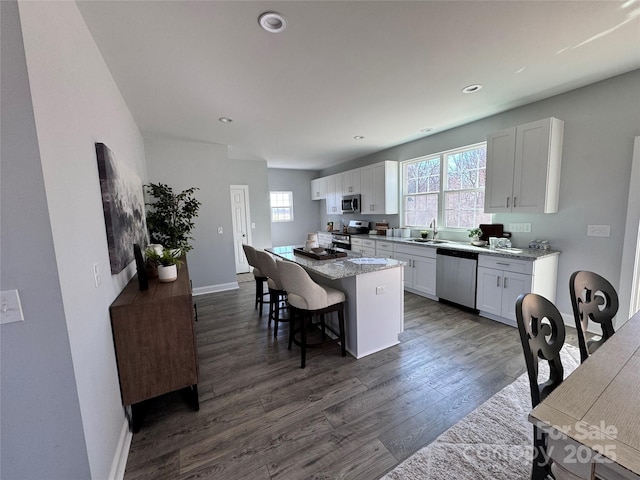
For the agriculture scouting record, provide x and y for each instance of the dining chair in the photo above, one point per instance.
(259, 277)
(593, 298)
(542, 335)
(277, 294)
(307, 299)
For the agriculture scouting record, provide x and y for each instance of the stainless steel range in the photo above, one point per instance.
(355, 227)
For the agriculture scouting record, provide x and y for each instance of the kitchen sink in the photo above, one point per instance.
(429, 240)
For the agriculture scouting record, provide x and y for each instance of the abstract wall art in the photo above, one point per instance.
(123, 207)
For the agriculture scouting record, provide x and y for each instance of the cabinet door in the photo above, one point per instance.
(424, 278)
(351, 182)
(319, 189)
(500, 169)
(366, 189)
(537, 166)
(408, 269)
(334, 194)
(489, 290)
(513, 284)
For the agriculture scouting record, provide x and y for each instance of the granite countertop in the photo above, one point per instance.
(335, 268)
(522, 253)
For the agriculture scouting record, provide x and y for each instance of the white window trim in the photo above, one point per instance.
(290, 206)
(443, 179)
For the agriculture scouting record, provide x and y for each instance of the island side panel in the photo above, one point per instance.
(380, 310)
(373, 319)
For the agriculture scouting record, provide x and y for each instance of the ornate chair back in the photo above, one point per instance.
(593, 298)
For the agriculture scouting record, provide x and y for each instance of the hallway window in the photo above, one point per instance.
(281, 206)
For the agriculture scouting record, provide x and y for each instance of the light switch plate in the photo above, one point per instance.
(10, 307)
(598, 230)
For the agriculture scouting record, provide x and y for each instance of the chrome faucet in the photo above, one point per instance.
(434, 227)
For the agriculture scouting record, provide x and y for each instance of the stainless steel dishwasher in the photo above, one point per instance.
(456, 276)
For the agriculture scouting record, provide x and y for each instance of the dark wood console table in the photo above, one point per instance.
(155, 342)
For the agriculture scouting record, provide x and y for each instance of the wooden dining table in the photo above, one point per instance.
(592, 418)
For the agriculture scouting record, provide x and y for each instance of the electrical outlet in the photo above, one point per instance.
(220, 231)
(598, 230)
(519, 227)
(253, 225)
(381, 290)
(10, 307)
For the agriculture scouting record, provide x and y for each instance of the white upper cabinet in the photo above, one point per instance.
(334, 194)
(351, 182)
(523, 168)
(319, 188)
(379, 188)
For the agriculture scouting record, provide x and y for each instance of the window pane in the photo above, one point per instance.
(281, 206)
(466, 168)
(419, 210)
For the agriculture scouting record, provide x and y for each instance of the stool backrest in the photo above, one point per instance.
(267, 265)
(542, 334)
(297, 282)
(593, 298)
(250, 253)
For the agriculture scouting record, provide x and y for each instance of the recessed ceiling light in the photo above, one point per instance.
(426, 130)
(272, 22)
(225, 120)
(358, 137)
(471, 88)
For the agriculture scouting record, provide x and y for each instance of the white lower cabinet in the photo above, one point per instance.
(420, 268)
(325, 239)
(502, 279)
(365, 246)
(384, 249)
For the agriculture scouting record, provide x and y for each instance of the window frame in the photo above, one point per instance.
(441, 194)
(288, 205)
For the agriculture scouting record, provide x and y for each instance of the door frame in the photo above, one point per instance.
(248, 239)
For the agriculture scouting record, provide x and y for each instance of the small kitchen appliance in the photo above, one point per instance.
(351, 204)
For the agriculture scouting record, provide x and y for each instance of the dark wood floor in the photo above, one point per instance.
(263, 417)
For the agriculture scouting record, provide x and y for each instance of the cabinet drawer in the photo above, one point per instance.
(369, 243)
(418, 251)
(506, 263)
(386, 246)
(356, 241)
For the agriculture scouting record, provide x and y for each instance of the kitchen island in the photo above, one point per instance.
(374, 308)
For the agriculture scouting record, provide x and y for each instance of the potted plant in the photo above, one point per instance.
(168, 264)
(424, 233)
(170, 216)
(151, 262)
(474, 235)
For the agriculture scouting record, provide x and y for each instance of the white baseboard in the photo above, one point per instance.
(222, 287)
(122, 453)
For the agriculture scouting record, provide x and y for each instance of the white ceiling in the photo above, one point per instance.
(380, 69)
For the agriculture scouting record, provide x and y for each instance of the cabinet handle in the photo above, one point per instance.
(515, 200)
(497, 281)
(501, 263)
(505, 282)
(507, 202)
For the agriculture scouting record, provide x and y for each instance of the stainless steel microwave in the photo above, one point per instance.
(351, 204)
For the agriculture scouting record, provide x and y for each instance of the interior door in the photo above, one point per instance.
(240, 221)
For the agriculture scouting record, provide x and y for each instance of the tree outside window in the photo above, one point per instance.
(281, 206)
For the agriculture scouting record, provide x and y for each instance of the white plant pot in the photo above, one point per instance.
(167, 274)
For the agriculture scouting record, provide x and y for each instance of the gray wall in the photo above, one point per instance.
(306, 212)
(601, 121)
(184, 164)
(50, 388)
(253, 173)
(40, 416)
